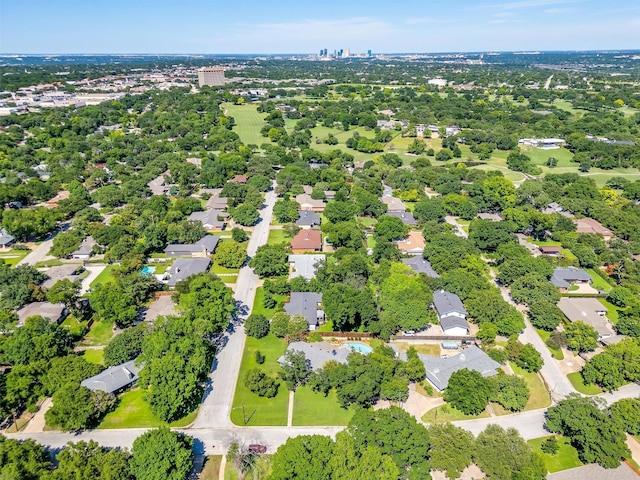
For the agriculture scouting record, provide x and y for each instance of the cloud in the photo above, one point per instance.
(431, 21)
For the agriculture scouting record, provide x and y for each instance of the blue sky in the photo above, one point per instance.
(304, 26)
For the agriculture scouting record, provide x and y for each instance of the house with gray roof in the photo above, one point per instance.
(185, 267)
(85, 250)
(216, 202)
(202, 248)
(6, 240)
(308, 219)
(595, 471)
(451, 313)
(420, 265)
(62, 272)
(318, 353)
(439, 370)
(115, 378)
(563, 278)
(307, 304)
(586, 310)
(304, 265)
(211, 220)
(54, 312)
(406, 217)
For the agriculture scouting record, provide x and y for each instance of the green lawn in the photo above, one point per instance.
(446, 413)
(133, 412)
(248, 122)
(556, 352)
(598, 283)
(13, 256)
(311, 408)
(565, 458)
(539, 395)
(278, 236)
(94, 356)
(219, 269)
(260, 410)
(99, 334)
(104, 277)
(258, 307)
(613, 312)
(576, 380)
(433, 350)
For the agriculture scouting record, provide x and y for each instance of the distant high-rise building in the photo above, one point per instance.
(368, 53)
(211, 76)
(346, 53)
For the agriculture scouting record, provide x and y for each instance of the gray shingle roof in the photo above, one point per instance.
(439, 370)
(420, 265)
(208, 243)
(447, 303)
(308, 219)
(452, 322)
(60, 273)
(564, 277)
(86, 247)
(184, 267)
(585, 310)
(319, 353)
(209, 218)
(593, 472)
(305, 304)
(305, 265)
(406, 217)
(52, 311)
(113, 378)
(6, 238)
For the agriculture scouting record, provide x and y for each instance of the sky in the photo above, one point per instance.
(306, 26)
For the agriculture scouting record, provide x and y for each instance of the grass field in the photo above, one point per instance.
(248, 122)
(310, 408)
(133, 412)
(258, 307)
(260, 410)
(278, 236)
(598, 283)
(94, 356)
(99, 334)
(211, 469)
(433, 350)
(12, 257)
(104, 277)
(576, 380)
(446, 413)
(565, 458)
(539, 396)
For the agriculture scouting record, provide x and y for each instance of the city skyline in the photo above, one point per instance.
(246, 27)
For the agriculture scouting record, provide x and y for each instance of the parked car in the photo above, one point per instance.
(256, 448)
(409, 333)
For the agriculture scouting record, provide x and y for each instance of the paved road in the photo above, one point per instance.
(216, 407)
(39, 254)
(458, 230)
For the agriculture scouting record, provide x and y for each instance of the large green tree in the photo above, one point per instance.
(468, 391)
(162, 455)
(451, 449)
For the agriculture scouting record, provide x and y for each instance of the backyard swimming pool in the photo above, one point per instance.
(359, 347)
(148, 270)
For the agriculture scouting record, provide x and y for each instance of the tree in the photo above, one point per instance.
(286, 211)
(429, 210)
(504, 454)
(604, 370)
(626, 414)
(550, 446)
(390, 228)
(239, 235)
(529, 358)
(304, 457)
(488, 235)
(270, 261)
(451, 449)
(259, 383)
(65, 243)
(620, 297)
(37, 340)
(468, 391)
(256, 326)
(67, 369)
(592, 432)
(511, 392)
(413, 369)
(162, 454)
(295, 369)
(338, 211)
(24, 460)
(231, 254)
(545, 315)
(628, 325)
(207, 302)
(581, 337)
(404, 300)
(90, 460)
(395, 389)
(125, 346)
(533, 288)
(348, 307)
(76, 407)
(280, 324)
(64, 291)
(245, 214)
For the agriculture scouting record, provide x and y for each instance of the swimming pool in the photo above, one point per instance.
(359, 347)
(148, 270)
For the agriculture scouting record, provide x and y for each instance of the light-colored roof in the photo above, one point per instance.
(420, 265)
(305, 265)
(86, 247)
(305, 304)
(494, 217)
(51, 311)
(393, 204)
(318, 353)
(447, 303)
(414, 243)
(305, 201)
(216, 201)
(184, 267)
(439, 370)
(564, 277)
(60, 273)
(5, 237)
(589, 225)
(452, 321)
(209, 218)
(113, 378)
(595, 472)
(585, 310)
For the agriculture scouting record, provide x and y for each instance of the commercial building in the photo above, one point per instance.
(211, 76)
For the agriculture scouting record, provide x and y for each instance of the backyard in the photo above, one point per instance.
(565, 458)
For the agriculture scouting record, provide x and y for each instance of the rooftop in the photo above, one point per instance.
(52, 311)
(319, 353)
(209, 218)
(414, 243)
(308, 219)
(595, 471)
(439, 370)
(305, 265)
(307, 239)
(564, 277)
(305, 304)
(420, 265)
(586, 310)
(446, 303)
(185, 267)
(113, 378)
(406, 217)
(589, 225)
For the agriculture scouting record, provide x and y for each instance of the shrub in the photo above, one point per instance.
(550, 446)
(260, 383)
(256, 326)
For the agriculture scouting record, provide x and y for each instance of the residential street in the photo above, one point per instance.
(39, 254)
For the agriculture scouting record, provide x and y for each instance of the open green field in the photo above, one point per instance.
(94, 356)
(248, 122)
(260, 410)
(565, 458)
(133, 412)
(99, 334)
(578, 383)
(104, 277)
(539, 396)
(556, 352)
(12, 257)
(311, 408)
(278, 236)
(433, 350)
(258, 307)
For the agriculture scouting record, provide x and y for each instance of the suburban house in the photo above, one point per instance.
(563, 278)
(589, 225)
(202, 248)
(406, 217)
(216, 202)
(307, 203)
(413, 244)
(543, 143)
(551, 251)
(185, 267)
(85, 250)
(393, 204)
(439, 370)
(308, 219)
(307, 241)
(157, 185)
(329, 194)
(307, 304)
(420, 265)
(494, 217)
(211, 220)
(6, 240)
(451, 313)
(115, 378)
(586, 310)
(62, 272)
(54, 312)
(318, 353)
(623, 472)
(241, 179)
(304, 265)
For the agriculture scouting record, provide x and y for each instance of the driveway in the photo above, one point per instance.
(94, 271)
(457, 228)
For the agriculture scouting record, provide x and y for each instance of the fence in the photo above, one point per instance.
(433, 337)
(345, 335)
